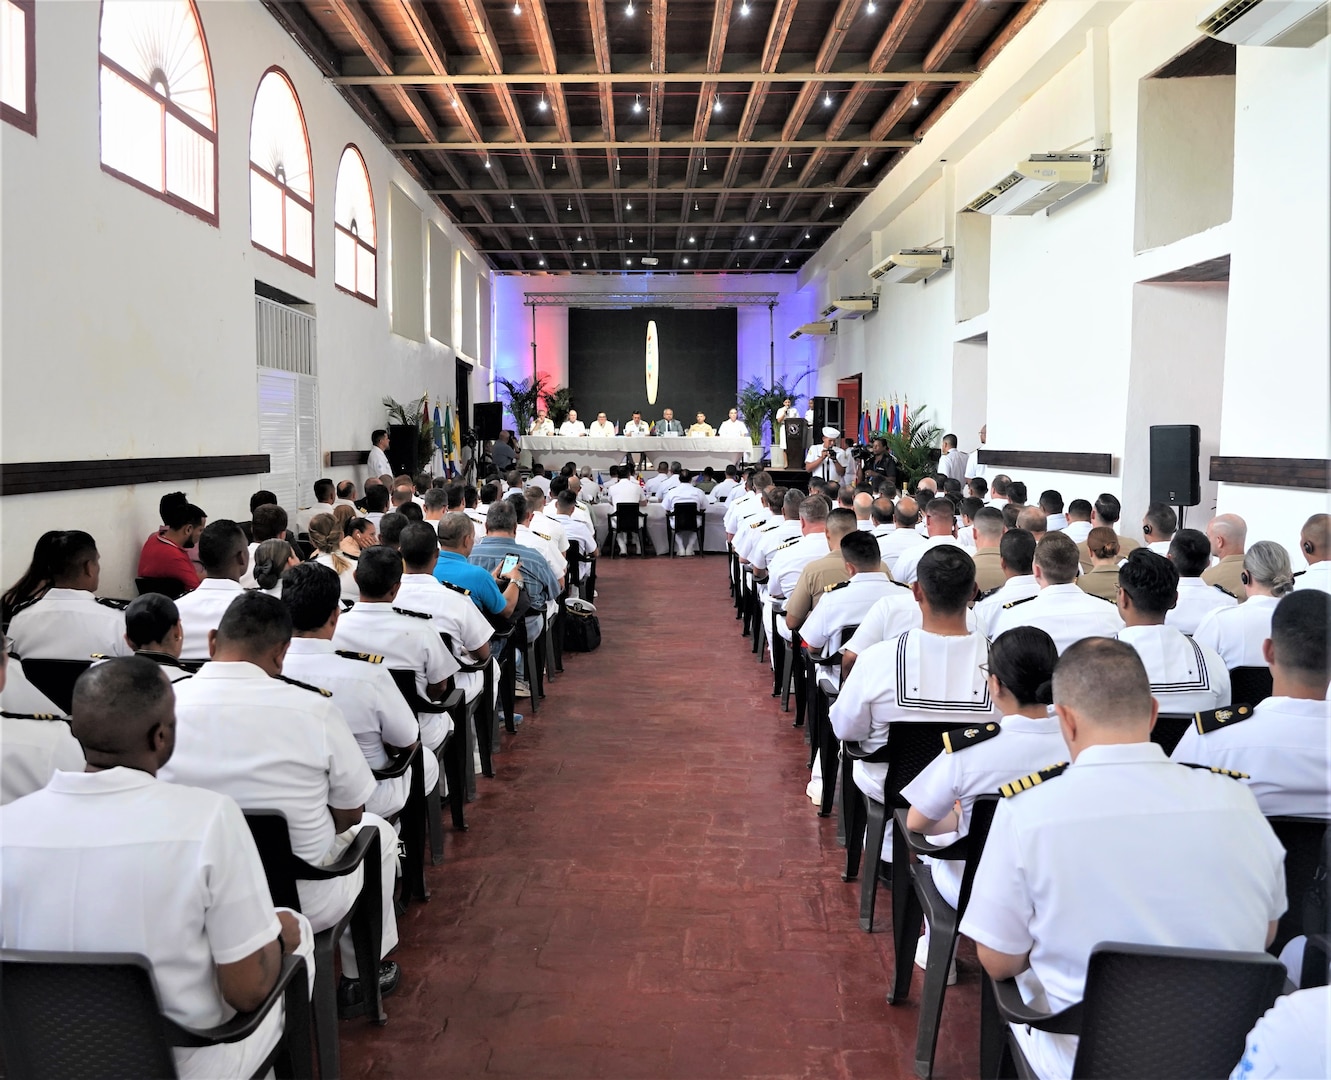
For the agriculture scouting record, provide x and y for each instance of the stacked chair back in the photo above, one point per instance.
(171, 588)
(1169, 729)
(1249, 685)
(1305, 842)
(56, 679)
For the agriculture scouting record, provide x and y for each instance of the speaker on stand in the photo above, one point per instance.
(828, 412)
(488, 419)
(403, 441)
(1175, 476)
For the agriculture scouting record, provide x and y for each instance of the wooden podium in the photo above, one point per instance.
(797, 441)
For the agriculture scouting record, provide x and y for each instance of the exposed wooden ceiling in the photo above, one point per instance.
(576, 136)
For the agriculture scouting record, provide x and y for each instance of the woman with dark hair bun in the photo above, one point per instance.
(272, 559)
(36, 579)
(976, 761)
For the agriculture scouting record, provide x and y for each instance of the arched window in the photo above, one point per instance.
(159, 119)
(281, 183)
(353, 228)
(18, 75)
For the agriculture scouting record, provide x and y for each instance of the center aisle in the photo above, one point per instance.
(644, 890)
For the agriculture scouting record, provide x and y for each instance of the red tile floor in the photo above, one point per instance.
(645, 890)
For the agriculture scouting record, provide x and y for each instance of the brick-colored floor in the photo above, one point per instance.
(645, 891)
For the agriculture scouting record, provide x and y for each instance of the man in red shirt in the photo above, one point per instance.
(165, 553)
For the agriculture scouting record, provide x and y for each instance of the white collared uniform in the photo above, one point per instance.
(117, 861)
(476, 515)
(654, 484)
(1014, 588)
(1064, 612)
(452, 613)
(1237, 632)
(33, 751)
(544, 522)
(544, 543)
(375, 712)
(766, 543)
(785, 564)
(686, 493)
(1023, 745)
(915, 677)
(377, 463)
(896, 543)
(907, 564)
(1078, 859)
(625, 491)
(20, 696)
(201, 611)
(346, 579)
(1056, 523)
(732, 429)
(1282, 746)
(753, 532)
(1077, 531)
(1160, 547)
(846, 605)
(542, 426)
(891, 615)
(735, 506)
(829, 469)
(601, 429)
(572, 429)
(406, 643)
(1196, 600)
(273, 746)
(582, 533)
(637, 428)
(1185, 677)
(69, 624)
(1317, 576)
(1289, 1042)
(722, 491)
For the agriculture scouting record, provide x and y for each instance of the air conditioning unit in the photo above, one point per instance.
(814, 329)
(911, 265)
(851, 307)
(1043, 181)
(1290, 24)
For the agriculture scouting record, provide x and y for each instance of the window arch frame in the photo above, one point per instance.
(178, 202)
(340, 229)
(26, 120)
(308, 204)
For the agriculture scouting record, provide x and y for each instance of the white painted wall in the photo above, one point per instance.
(128, 326)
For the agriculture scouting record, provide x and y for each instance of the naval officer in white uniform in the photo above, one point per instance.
(224, 556)
(1061, 609)
(1239, 633)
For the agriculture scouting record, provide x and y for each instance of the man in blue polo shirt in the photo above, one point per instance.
(456, 540)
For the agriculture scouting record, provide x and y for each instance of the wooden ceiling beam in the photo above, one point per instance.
(576, 75)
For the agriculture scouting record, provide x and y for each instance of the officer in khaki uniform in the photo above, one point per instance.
(1102, 578)
(829, 569)
(987, 529)
(1228, 534)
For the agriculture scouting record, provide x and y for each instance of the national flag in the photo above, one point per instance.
(438, 428)
(455, 442)
(864, 426)
(892, 417)
(905, 416)
(446, 442)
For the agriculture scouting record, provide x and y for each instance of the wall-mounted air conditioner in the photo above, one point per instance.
(851, 307)
(911, 265)
(1291, 24)
(813, 329)
(1043, 181)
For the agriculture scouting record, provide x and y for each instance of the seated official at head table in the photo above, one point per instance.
(542, 425)
(701, 427)
(732, 427)
(572, 428)
(637, 426)
(668, 425)
(601, 427)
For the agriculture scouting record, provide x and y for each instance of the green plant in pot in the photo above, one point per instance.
(522, 397)
(911, 449)
(559, 401)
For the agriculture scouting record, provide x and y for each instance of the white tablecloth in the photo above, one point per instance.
(601, 453)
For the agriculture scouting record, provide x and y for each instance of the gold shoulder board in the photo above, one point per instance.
(960, 738)
(304, 686)
(1216, 719)
(1016, 787)
(369, 658)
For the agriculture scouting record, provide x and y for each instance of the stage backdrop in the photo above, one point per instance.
(697, 349)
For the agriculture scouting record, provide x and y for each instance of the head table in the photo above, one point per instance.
(601, 452)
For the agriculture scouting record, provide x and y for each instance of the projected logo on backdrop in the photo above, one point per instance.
(653, 362)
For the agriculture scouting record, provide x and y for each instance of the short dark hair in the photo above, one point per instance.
(117, 703)
(489, 493)
(310, 592)
(70, 550)
(518, 502)
(979, 485)
(860, 549)
(436, 499)
(262, 497)
(149, 618)
(1058, 557)
(774, 498)
(790, 502)
(421, 482)
(1023, 660)
(946, 575)
(1299, 633)
(419, 544)
(456, 494)
(1011, 513)
(502, 517)
(1150, 580)
(376, 435)
(390, 528)
(177, 511)
(269, 521)
(1108, 507)
(376, 498)
(377, 570)
(566, 499)
(323, 488)
(1162, 520)
(1104, 679)
(1017, 549)
(1051, 501)
(256, 620)
(1000, 485)
(218, 544)
(1079, 510)
(346, 489)
(1016, 492)
(411, 511)
(1190, 552)
(970, 506)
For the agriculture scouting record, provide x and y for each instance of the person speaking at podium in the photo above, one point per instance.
(668, 425)
(702, 427)
(572, 428)
(543, 425)
(732, 427)
(601, 427)
(637, 426)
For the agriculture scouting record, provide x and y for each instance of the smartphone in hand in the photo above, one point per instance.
(509, 564)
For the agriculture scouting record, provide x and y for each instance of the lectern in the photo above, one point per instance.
(797, 441)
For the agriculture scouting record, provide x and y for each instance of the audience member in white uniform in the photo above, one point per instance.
(270, 561)
(325, 500)
(542, 521)
(655, 484)
(952, 464)
(1075, 854)
(363, 690)
(998, 490)
(274, 745)
(862, 506)
(112, 860)
(685, 492)
(973, 466)
(1281, 743)
(405, 639)
(722, 492)
(225, 557)
(624, 490)
(346, 496)
(745, 501)
(1315, 543)
(1159, 524)
(578, 531)
(572, 427)
(1079, 524)
(435, 504)
(761, 537)
(1060, 608)
(1239, 633)
(377, 499)
(1185, 677)
(601, 427)
(1021, 667)
(588, 490)
(637, 427)
(69, 622)
(1190, 552)
(821, 460)
(881, 523)
(903, 537)
(1051, 502)
(785, 564)
(1289, 1042)
(327, 537)
(153, 630)
(542, 426)
(1032, 519)
(1228, 535)
(36, 744)
(817, 576)
(930, 675)
(846, 604)
(732, 427)
(941, 521)
(1016, 552)
(376, 465)
(538, 539)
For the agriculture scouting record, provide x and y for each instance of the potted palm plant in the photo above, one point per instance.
(522, 397)
(912, 447)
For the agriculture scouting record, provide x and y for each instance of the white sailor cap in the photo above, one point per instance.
(830, 432)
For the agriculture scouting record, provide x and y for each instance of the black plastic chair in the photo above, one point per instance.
(411, 818)
(449, 755)
(1152, 1011)
(1305, 841)
(686, 517)
(823, 740)
(1169, 729)
(479, 717)
(1249, 685)
(171, 588)
(629, 519)
(943, 919)
(284, 869)
(56, 679)
(97, 1014)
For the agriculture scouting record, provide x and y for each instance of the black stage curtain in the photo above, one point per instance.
(699, 357)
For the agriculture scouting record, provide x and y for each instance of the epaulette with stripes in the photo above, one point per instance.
(1233, 774)
(1207, 722)
(960, 738)
(756, 524)
(1016, 787)
(837, 585)
(1023, 600)
(788, 543)
(304, 685)
(29, 715)
(413, 614)
(1223, 590)
(455, 588)
(112, 602)
(369, 658)
(541, 535)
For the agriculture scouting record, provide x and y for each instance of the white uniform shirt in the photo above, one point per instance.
(1237, 632)
(20, 696)
(785, 564)
(542, 482)
(685, 493)
(1317, 576)
(767, 542)
(625, 491)
(33, 751)
(589, 491)
(829, 469)
(1078, 860)
(269, 745)
(1064, 612)
(752, 534)
(973, 467)
(905, 569)
(1160, 547)
(733, 429)
(347, 578)
(895, 544)
(1014, 588)
(201, 611)
(721, 493)
(533, 536)
(571, 429)
(1289, 1042)
(915, 677)
(602, 429)
(891, 615)
(655, 484)
(953, 465)
(1282, 746)
(637, 428)
(739, 516)
(477, 517)
(543, 521)
(579, 531)
(454, 614)
(735, 504)
(303, 515)
(377, 463)
(1023, 745)
(69, 624)
(1077, 531)
(846, 605)
(543, 426)
(405, 642)
(1196, 600)
(116, 861)
(1056, 523)
(1185, 677)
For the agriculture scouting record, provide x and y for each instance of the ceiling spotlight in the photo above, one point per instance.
(716, 104)
(704, 161)
(744, 8)
(511, 204)
(540, 262)
(827, 98)
(870, 7)
(637, 103)
(455, 103)
(584, 263)
(531, 238)
(628, 204)
(695, 204)
(570, 204)
(616, 164)
(487, 161)
(915, 100)
(752, 238)
(790, 161)
(579, 238)
(806, 236)
(628, 262)
(517, 9)
(542, 106)
(769, 202)
(629, 10)
(831, 202)
(552, 161)
(630, 238)
(787, 260)
(686, 260)
(692, 240)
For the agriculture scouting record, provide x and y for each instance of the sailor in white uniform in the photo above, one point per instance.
(69, 622)
(1239, 633)
(846, 603)
(1016, 550)
(36, 744)
(224, 556)
(543, 426)
(942, 525)
(903, 537)
(1281, 744)
(1315, 544)
(754, 531)
(1190, 552)
(822, 459)
(1061, 609)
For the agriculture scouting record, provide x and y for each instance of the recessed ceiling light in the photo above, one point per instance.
(541, 262)
(487, 161)
(531, 239)
(629, 10)
(637, 103)
(628, 204)
(806, 236)
(752, 238)
(691, 240)
(686, 260)
(744, 8)
(628, 262)
(915, 100)
(870, 7)
(517, 9)
(716, 105)
(827, 98)
(579, 238)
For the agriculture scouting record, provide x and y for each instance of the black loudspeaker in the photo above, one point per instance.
(797, 441)
(828, 412)
(402, 442)
(488, 419)
(1174, 476)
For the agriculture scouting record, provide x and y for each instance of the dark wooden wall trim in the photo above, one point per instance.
(1051, 460)
(1314, 473)
(29, 477)
(347, 457)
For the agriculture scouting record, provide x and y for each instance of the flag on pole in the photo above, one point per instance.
(864, 426)
(455, 442)
(446, 440)
(905, 416)
(892, 417)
